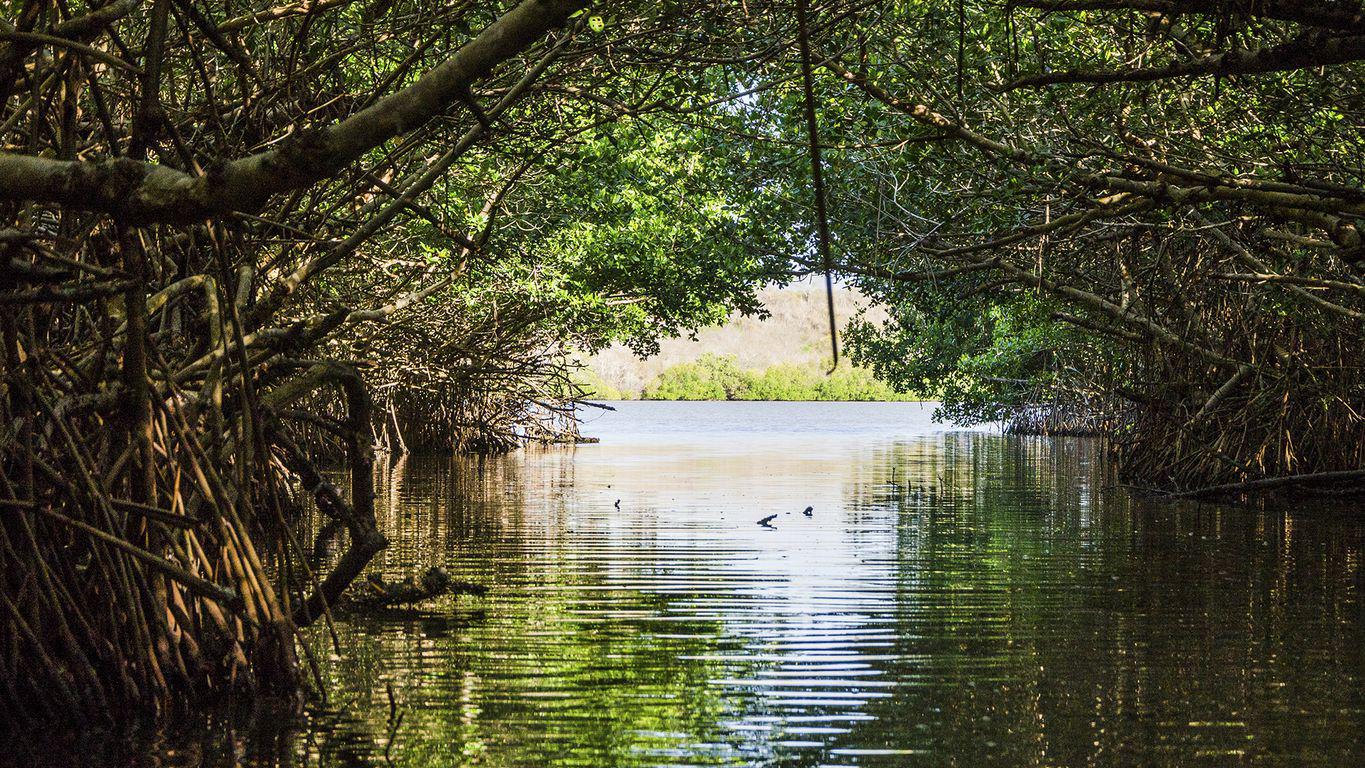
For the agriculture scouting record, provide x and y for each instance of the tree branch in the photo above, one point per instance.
(1341, 14)
(1303, 52)
(141, 192)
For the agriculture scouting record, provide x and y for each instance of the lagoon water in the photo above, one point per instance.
(955, 598)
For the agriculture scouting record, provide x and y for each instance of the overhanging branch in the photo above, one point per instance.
(140, 192)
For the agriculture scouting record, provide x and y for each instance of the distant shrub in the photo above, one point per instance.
(852, 383)
(710, 377)
(786, 382)
(595, 387)
(719, 377)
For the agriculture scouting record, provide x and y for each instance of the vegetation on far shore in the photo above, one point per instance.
(721, 377)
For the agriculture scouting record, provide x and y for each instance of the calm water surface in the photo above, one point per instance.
(956, 598)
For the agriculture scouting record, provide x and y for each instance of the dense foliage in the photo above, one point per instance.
(616, 236)
(1139, 216)
(241, 242)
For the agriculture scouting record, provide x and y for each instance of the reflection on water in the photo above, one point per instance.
(956, 598)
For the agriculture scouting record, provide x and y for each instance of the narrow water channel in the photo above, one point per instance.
(954, 598)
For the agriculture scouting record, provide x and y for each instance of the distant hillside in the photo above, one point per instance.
(796, 333)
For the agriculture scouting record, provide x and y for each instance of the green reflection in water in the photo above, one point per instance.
(956, 599)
